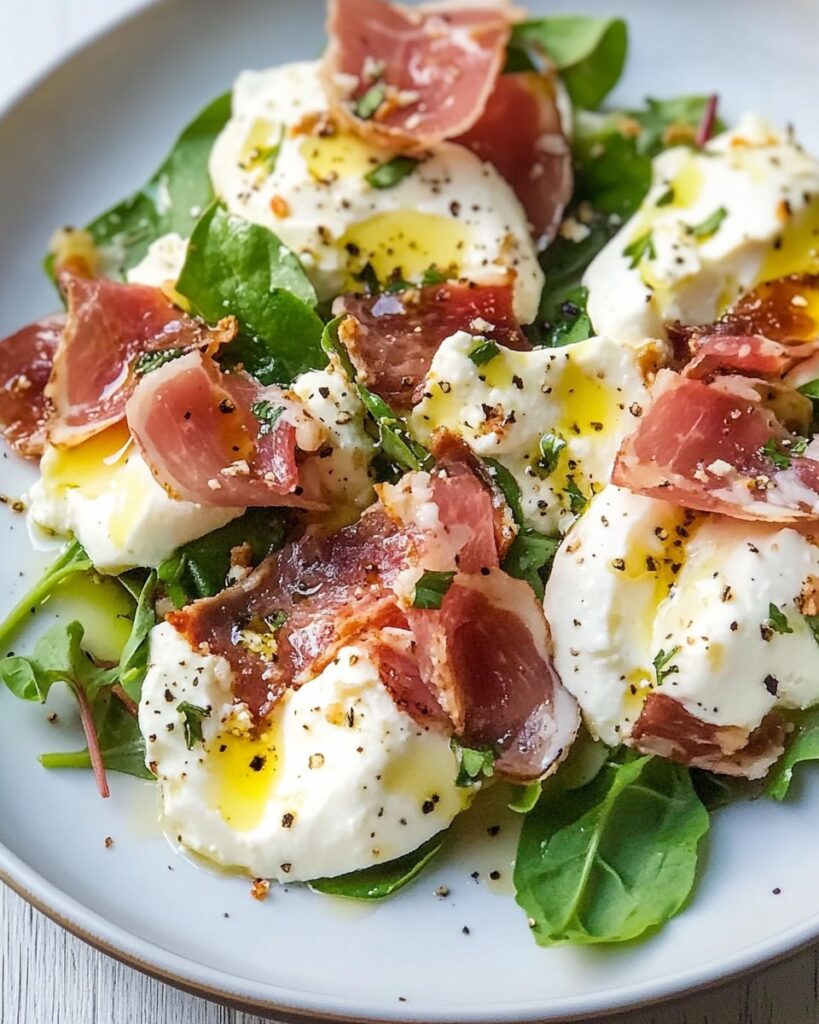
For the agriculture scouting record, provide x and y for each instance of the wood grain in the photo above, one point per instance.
(49, 977)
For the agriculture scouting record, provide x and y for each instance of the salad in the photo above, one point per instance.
(427, 426)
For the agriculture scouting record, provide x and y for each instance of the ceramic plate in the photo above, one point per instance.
(83, 138)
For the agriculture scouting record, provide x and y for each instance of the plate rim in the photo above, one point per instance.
(186, 974)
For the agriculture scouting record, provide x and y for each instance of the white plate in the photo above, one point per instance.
(81, 139)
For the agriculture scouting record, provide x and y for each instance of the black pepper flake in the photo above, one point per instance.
(257, 763)
(493, 830)
(494, 875)
(226, 406)
(427, 807)
(771, 685)
(619, 564)
(776, 891)
(324, 392)
(465, 930)
(287, 819)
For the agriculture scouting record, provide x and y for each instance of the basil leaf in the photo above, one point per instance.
(192, 716)
(484, 353)
(431, 589)
(391, 173)
(608, 861)
(508, 486)
(382, 880)
(803, 746)
(200, 568)
(172, 200)
(550, 448)
(530, 558)
(72, 559)
(589, 53)
(235, 267)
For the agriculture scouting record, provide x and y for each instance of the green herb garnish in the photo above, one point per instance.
(550, 448)
(391, 173)
(662, 668)
(473, 765)
(709, 226)
(777, 620)
(267, 414)
(150, 361)
(639, 249)
(367, 105)
(484, 352)
(192, 716)
(431, 589)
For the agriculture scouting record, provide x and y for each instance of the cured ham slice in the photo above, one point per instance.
(110, 325)
(217, 438)
(719, 448)
(26, 359)
(666, 728)
(753, 355)
(395, 336)
(521, 135)
(478, 665)
(408, 78)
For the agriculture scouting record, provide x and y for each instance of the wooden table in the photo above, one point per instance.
(49, 977)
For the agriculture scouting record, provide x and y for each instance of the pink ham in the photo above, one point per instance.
(396, 336)
(26, 359)
(205, 439)
(433, 69)
(110, 325)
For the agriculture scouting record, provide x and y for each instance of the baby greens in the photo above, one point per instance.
(383, 879)
(803, 746)
(608, 861)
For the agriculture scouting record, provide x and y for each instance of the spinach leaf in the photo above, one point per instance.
(606, 862)
(803, 746)
(172, 200)
(200, 568)
(72, 559)
(382, 880)
(589, 53)
(239, 268)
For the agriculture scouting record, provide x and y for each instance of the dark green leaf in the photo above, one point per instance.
(58, 657)
(153, 360)
(662, 666)
(483, 353)
(803, 745)
(192, 716)
(717, 791)
(577, 499)
(171, 201)
(589, 53)
(710, 225)
(431, 589)
(640, 249)
(389, 174)
(773, 450)
(508, 486)
(238, 268)
(473, 765)
(383, 880)
(567, 322)
(133, 662)
(606, 862)
(550, 448)
(777, 620)
(267, 414)
(530, 558)
(434, 275)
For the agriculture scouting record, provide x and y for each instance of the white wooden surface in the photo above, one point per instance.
(48, 977)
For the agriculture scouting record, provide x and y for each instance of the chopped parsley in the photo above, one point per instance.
(431, 589)
(709, 226)
(484, 353)
(780, 452)
(193, 717)
(366, 106)
(777, 620)
(267, 414)
(639, 249)
(149, 361)
(662, 669)
(550, 448)
(389, 174)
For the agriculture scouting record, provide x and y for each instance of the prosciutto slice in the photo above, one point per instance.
(217, 438)
(703, 445)
(478, 666)
(110, 325)
(26, 359)
(666, 728)
(752, 355)
(409, 78)
(521, 135)
(395, 336)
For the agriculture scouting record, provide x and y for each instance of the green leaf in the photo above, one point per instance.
(640, 249)
(200, 568)
(550, 448)
(567, 322)
(58, 657)
(267, 414)
(391, 173)
(192, 716)
(525, 798)
(717, 791)
(802, 746)
(238, 268)
(149, 361)
(431, 589)
(590, 53)
(577, 499)
(667, 198)
(382, 880)
(705, 229)
(473, 765)
(662, 668)
(777, 620)
(606, 862)
(133, 662)
(530, 558)
(810, 390)
(72, 559)
(434, 275)
(483, 353)
(172, 200)
(780, 452)
(508, 486)
(369, 103)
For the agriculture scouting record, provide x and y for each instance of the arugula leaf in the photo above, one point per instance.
(705, 229)
(803, 746)
(394, 439)
(72, 559)
(662, 668)
(484, 353)
(589, 53)
(171, 201)
(550, 448)
(58, 657)
(608, 861)
(149, 361)
(391, 173)
(193, 717)
(200, 568)
(717, 791)
(381, 880)
(431, 589)
(235, 267)
(473, 765)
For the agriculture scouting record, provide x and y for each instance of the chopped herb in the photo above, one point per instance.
(431, 589)
(432, 275)
(275, 621)
(473, 765)
(484, 353)
(662, 669)
(550, 448)
(780, 452)
(269, 157)
(267, 414)
(777, 620)
(391, 173)
(367, 105)
(368, 277)
(577, 499)
(193, 716)
(639, 249)
(667, 198)
(149, 361)
(709, 226)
